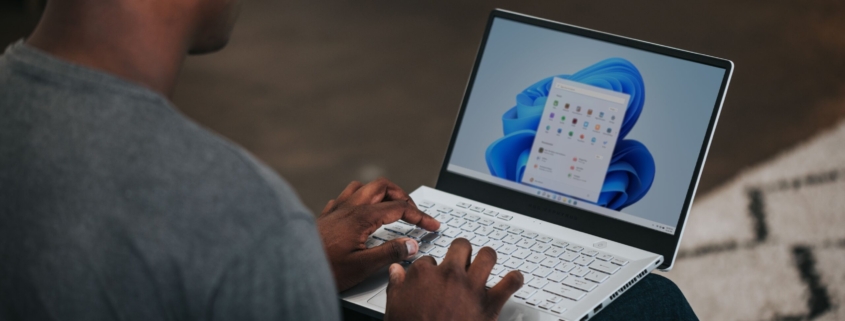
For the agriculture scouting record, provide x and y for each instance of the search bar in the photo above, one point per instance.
(591, 93)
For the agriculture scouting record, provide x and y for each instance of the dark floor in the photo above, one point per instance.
(330, 92)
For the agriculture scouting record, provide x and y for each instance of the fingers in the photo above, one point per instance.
(389, 212)
(329, 207)
(396, 276)
(480, 268)
(499, 294)
(350, 189)
(393, 251)
(458, 255)
(377, 191)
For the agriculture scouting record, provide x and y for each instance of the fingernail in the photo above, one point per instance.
(412, 247)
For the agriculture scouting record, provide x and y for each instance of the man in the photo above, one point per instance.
(114, 206)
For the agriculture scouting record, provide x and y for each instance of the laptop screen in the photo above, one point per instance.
(606, 128)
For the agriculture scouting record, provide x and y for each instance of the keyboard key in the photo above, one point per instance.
(373, 242)
(538, 283)
(497, 235)
(430, 237)
(590, 253)
(534, 301)
(559, 243)
(525, 243)
(525, 293)
(521, 253)
(540, 247)
(492, 282)
(443, 209)
(579, 271)
(479, 240)
(554, 251)
(502, 226)
(513, 263)
(604, 267)
(438, 252)
(443, 241)
(516, 231)
(469, 226)
(483, 230)
(583, 260)
(467, 235)
(425, 204)
(545, 305)
(619, 262)
(558, 309)
(463, 205)
(457, 222)
(554, 299)
(564, 291)
(530, 235)
(569, 256)
(417, 233)
(472, 218)
(476, 209)
(535, 257)
(507, 249)
(544, 239)
(506, 217)
(604, 257)
(557, 276)
(452, 232)
(493, 244)
(527, 268)
(565, 267)
(497, 269)
(542, 272)
(597, 277)
(386, 235)
(426, 247)
(502, 258)
(511, 239)
(443, 219)
(458, 214)
(399, 228)
(491, 213)
(486, 221)
(575, 248)
(580, 284)
(550, 262)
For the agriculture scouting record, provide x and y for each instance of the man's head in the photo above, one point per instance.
(144, 41)
(216, 18)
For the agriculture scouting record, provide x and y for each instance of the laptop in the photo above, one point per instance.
(575, 155)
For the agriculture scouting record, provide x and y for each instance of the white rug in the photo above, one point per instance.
(770, 245)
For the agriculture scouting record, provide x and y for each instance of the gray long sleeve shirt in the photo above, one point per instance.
(114, 206)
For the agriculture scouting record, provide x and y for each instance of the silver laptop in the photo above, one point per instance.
(576, 155)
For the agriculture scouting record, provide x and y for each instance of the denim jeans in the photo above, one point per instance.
(653, 298)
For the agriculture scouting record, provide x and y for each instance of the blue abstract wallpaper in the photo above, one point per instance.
(632, 169)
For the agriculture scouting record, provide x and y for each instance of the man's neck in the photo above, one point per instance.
(113, 38)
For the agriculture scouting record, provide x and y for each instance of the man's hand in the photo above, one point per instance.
(454, 290)
(357, 212)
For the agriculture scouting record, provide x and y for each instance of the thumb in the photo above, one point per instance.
(397, 276)
(390, 252)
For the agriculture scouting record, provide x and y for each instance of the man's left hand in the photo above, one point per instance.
(357, 212)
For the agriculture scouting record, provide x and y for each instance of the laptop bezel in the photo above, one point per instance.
(578, 219)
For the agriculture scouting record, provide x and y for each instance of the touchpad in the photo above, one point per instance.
(380, 300)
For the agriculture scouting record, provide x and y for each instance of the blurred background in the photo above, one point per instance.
(329, 92)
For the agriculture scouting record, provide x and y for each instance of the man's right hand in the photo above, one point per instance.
(454, 290)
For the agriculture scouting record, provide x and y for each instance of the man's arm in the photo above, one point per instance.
(285, 276)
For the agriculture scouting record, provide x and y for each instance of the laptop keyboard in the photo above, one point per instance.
(557, 273)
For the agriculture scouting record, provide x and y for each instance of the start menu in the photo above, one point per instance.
(575, 139)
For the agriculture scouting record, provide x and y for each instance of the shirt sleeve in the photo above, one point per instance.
(286, 276)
